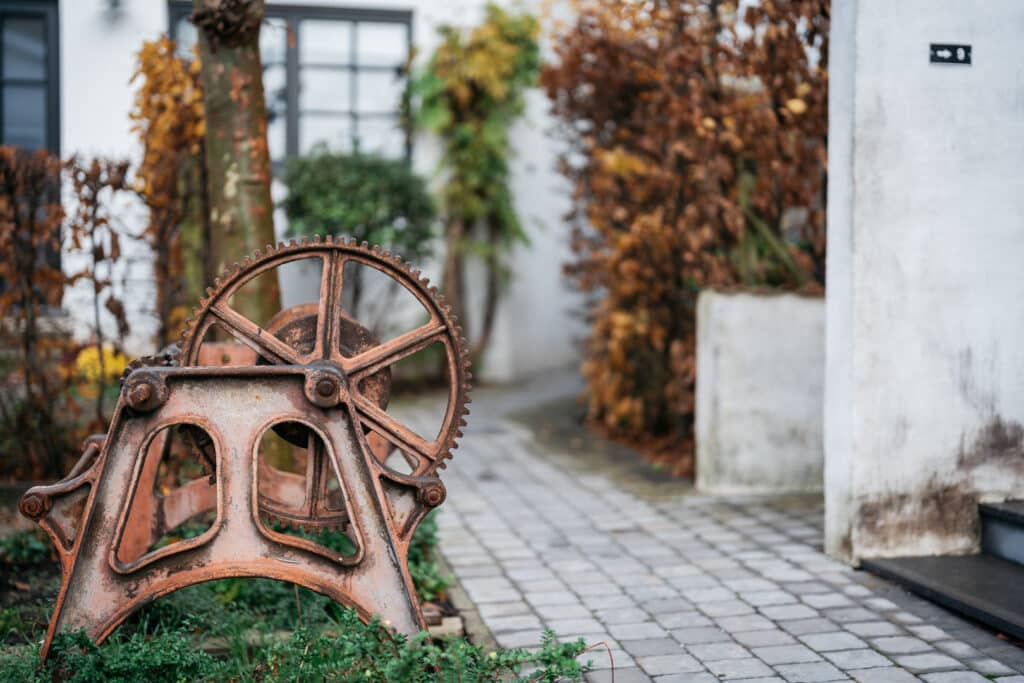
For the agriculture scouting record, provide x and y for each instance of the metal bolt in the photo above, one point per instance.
(140, 394)
(326, 387)
(34, 506)
(432, 495)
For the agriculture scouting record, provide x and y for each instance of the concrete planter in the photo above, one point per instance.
(760, 393)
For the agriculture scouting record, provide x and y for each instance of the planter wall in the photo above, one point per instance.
(760, 391)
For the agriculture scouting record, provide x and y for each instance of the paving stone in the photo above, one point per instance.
(789, 612)
(665, 606)
(502, 609)
(630, 675)
(873, 628)
(900, 645)
(825, 642)
(889, 674)
(768, 598)
(812, 672)
(928, 632)
(800, 627)
(514, 623)
(745, 622)
(765, 638)
(931, 661)
(958, 649)
(703, 634)
(596, 589)
(573, 627)
(955, 677)
(669, 664)
(786, 654)
(563, 612)
(700, 595)
(711, 652)
(683, 620)
(730, 669)
(519, 638)
(989, 667)
(850, 614)
(551, 598)
(880, 604)
(729, 608)
(825, 600)
(651, 646)
(688, 678)
(607, 601)
(848, 660)
(647, 629)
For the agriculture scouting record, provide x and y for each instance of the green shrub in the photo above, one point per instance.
(29, 547)
(351, 651)
(372, 199)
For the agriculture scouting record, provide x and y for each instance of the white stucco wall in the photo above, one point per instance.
(925, 379)
(534, 329)
(760, 384)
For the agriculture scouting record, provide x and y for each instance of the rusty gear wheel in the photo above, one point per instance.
(340, 341)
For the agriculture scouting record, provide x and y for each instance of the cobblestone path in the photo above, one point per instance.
(682, 587)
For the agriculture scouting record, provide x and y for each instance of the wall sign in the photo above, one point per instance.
(949, 53)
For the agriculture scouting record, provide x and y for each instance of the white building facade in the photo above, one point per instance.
(330, 73)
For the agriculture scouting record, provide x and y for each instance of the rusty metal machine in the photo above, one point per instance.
(312, 379)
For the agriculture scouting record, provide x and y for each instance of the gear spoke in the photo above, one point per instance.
(394, 431)
(392, 351)
(322, 332)
(328, 312)
(255, 337)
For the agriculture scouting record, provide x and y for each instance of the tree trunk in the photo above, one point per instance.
(452, 279)
(238, 160)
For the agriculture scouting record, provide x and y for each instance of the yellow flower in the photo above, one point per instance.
(88, 367)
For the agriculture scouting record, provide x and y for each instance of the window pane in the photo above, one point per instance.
(333, 130)
(325, 41)
(382, 44)
(277, 138)
(24, 45)
(275, 92)
(380, 91)
(24, 112)
(273, 41)
(382, 136)
(325, 89)
(185, 38)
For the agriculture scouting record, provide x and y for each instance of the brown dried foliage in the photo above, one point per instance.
(697, 139)
(92, 231)
(33, 438)
(169, 120)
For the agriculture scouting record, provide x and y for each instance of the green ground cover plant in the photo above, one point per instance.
(251, 630)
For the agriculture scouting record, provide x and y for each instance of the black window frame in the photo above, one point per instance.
(49, 10)
(292, 15)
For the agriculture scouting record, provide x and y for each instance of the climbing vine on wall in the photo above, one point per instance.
(697, 136)
(169, 120)
(470, 93)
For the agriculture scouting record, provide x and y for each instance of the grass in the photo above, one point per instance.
(251, 630)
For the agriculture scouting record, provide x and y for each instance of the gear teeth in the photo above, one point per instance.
(399, 269)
